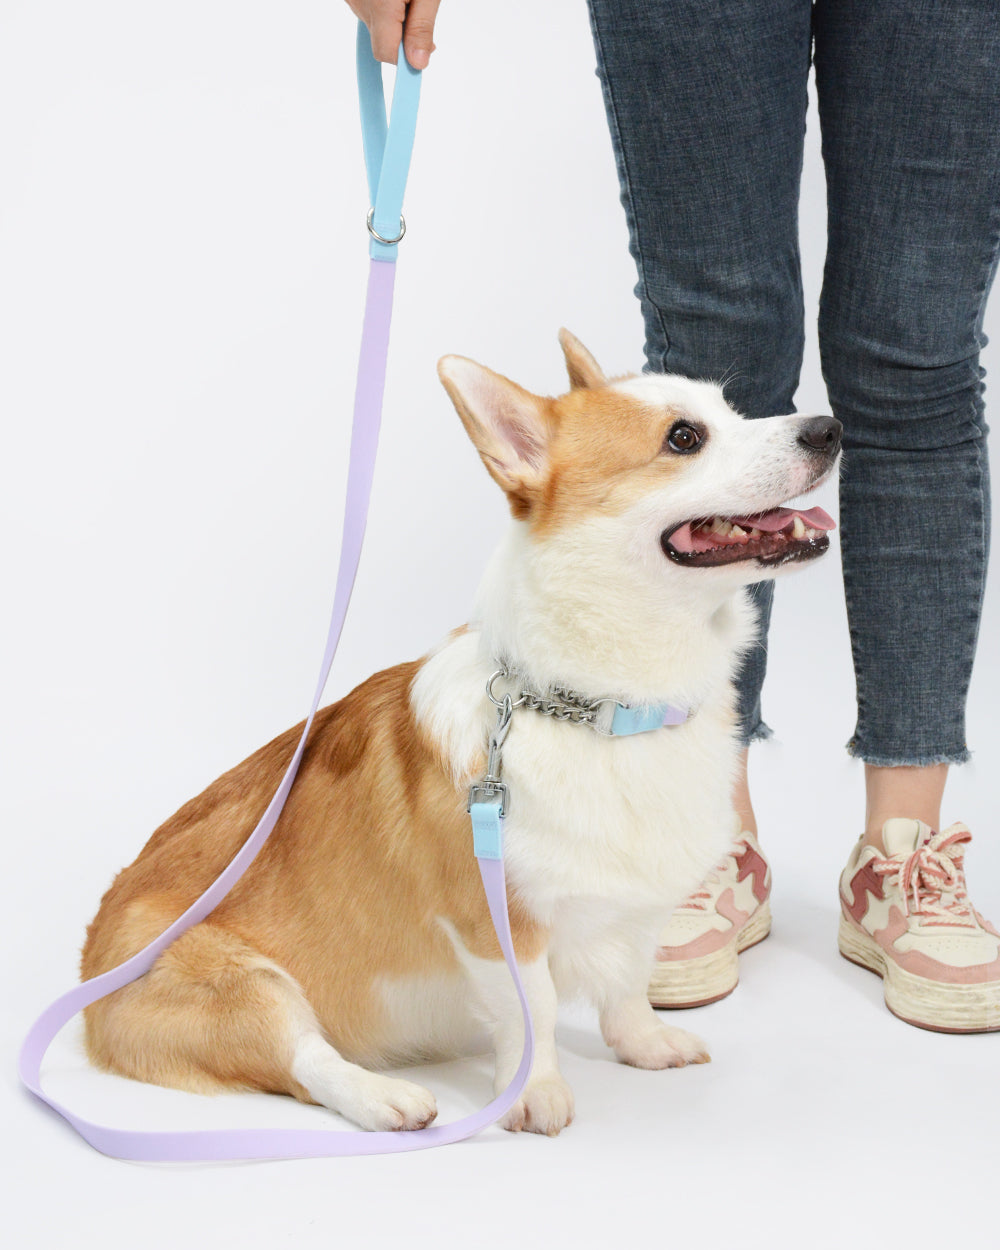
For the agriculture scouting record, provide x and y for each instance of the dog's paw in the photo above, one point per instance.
(662, 1047)
(386, 1103)
(546, 1106)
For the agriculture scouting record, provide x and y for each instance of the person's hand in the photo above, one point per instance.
(390, 20)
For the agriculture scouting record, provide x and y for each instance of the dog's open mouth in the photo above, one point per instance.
(768, 537)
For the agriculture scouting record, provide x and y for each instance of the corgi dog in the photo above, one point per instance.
(360, 938)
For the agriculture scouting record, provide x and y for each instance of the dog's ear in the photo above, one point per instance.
(509, 426)
(584, 371)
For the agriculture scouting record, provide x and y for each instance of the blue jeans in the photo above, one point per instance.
(706, 104)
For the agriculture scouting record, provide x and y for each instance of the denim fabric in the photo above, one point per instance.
(706, 104)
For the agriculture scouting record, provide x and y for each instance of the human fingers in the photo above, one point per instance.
(384, 19)
(418, 36)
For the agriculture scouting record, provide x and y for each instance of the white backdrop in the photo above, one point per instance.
(182, 267)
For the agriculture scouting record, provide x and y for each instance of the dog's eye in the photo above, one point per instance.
(683, 438)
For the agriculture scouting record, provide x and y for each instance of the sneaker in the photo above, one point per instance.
(906, 915)
(696, 959)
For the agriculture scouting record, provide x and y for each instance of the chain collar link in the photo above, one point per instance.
(606, 716)
(564, 705)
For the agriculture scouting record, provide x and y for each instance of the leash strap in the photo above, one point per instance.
(387, 154)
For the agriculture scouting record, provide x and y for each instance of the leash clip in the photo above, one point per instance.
(491, 790)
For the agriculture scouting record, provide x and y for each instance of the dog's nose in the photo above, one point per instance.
(821, 434)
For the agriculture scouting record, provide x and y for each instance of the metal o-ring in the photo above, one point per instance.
(375, 235)
(501, 672)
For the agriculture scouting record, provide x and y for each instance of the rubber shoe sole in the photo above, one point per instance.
(928, 1004)
(679, 983)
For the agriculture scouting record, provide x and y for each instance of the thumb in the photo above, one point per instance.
(418, 34)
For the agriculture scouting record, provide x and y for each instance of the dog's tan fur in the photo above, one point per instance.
(371, 847)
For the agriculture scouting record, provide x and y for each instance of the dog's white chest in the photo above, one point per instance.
(637, 821)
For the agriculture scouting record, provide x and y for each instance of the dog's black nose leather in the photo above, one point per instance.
(821, 434)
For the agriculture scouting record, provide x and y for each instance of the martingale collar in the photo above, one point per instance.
(605, 716)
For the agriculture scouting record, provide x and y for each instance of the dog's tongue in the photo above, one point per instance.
(687, 539)
(772, 522)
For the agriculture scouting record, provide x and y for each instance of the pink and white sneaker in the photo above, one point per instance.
(906, 915)
(696, 959)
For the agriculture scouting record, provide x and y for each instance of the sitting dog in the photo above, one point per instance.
(360, 937)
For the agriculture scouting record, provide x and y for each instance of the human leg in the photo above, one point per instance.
(707, 118)
(912, 153)
(742, 802)
(914, 792)
(910, 106)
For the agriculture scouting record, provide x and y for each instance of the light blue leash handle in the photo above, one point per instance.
(387, 147)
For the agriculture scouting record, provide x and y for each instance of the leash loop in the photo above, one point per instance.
(388, 145)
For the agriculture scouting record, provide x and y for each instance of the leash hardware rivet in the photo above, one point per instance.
(377, 237)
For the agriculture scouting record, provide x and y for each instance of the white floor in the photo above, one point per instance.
(822, 1119)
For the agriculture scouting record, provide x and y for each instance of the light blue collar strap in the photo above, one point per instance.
(627, 720)
(387, 146)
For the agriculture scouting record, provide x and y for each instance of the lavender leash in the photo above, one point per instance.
(391, 158)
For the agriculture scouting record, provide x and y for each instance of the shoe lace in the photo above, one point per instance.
(701, 899)
(932, 879)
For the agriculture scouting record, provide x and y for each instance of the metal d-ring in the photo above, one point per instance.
(377, 237)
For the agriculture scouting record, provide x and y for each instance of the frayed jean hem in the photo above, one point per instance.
(759, 733)
(921, 761)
